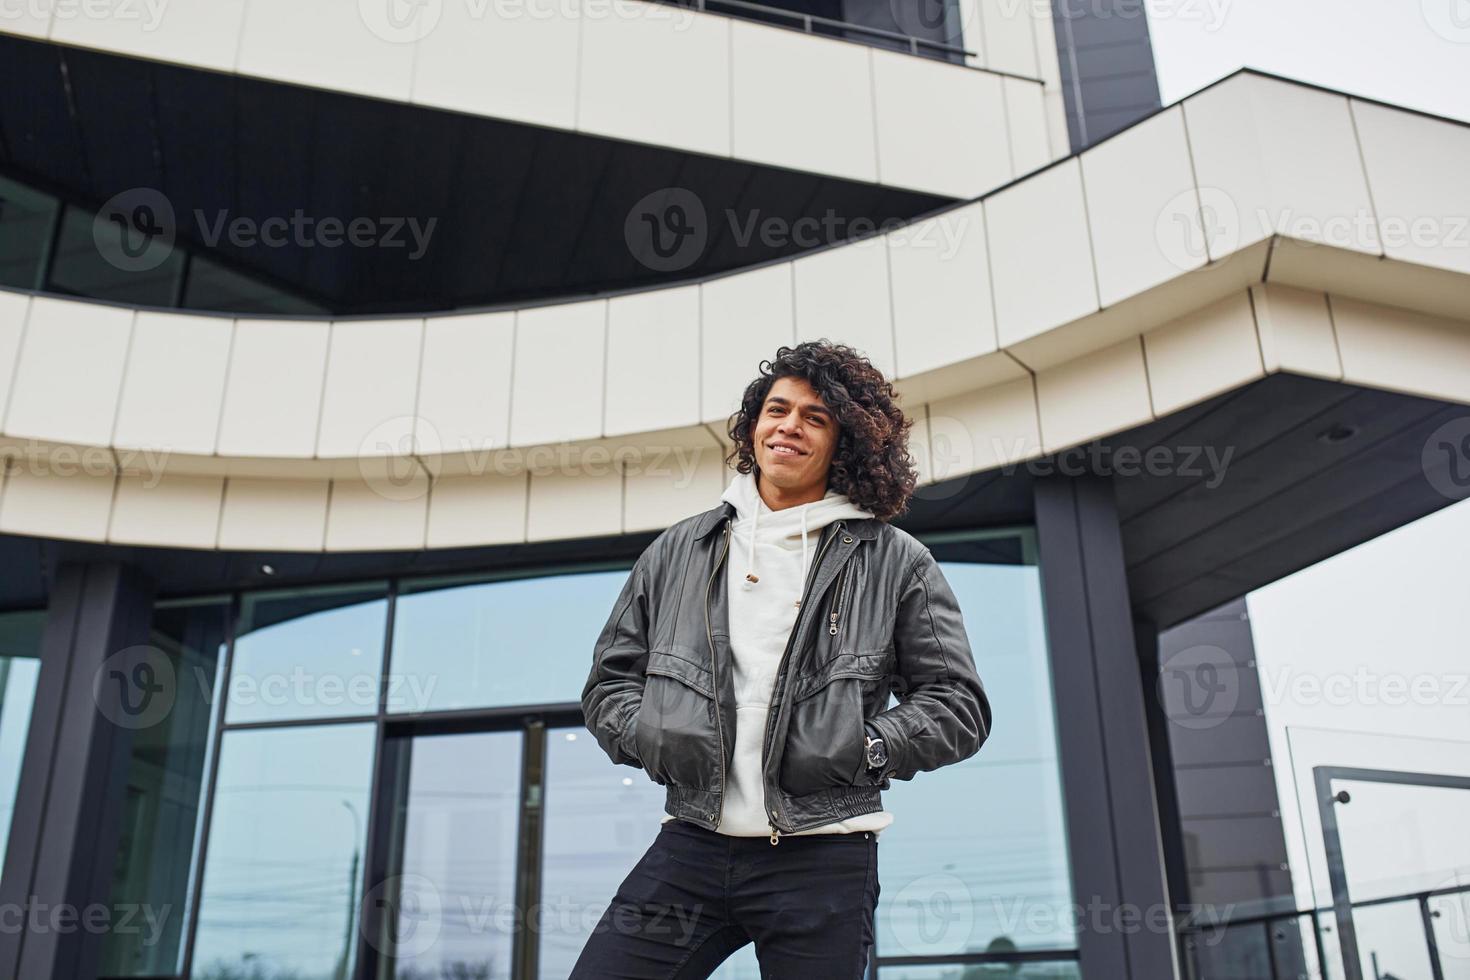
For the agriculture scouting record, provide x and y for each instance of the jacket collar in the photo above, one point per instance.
(865, 528)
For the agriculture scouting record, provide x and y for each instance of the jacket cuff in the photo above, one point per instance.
(879, 727)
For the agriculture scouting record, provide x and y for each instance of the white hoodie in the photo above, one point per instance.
(770, 555)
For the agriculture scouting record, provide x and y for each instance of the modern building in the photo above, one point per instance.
(351, 353)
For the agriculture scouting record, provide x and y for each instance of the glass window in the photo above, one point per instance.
(104, 261)
(976, 858)
(452, 893)
(600, 819)
(26, 220)
(308, 654)
(284, 858)
(211, 286)
(1049, 970)
(512, 641)
(163, 804)
(20, 667)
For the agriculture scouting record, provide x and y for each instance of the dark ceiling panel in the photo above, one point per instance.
(519, 213)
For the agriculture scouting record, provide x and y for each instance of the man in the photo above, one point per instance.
(747, 666)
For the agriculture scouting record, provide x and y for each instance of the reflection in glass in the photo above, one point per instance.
(308, 654)
(26, 220)
(165, 794)
(282, 871)
(20, 667)
(453, 888)
(1450, 914)
(976, 858)
(103, 260)
(1391, 941)
(513, 641)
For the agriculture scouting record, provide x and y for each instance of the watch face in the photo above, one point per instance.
(877, 753)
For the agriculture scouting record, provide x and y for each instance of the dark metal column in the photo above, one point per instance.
(1113, 834)
(54, 895)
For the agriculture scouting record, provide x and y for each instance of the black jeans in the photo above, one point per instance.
(696, 896)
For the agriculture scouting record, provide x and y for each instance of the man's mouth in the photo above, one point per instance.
(784, 450)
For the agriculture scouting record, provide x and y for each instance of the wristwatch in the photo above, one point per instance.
(876, 752)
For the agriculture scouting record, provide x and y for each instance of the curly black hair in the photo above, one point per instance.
(871, 463)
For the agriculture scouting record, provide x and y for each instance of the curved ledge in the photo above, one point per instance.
(744, 90)
(1249, 230)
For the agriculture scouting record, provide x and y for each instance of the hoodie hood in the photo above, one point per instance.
(788, 528)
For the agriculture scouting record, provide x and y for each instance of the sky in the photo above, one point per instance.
(1414, 53)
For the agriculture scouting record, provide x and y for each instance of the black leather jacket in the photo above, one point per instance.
(877, 616)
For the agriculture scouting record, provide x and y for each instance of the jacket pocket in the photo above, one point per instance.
(824, 740)
(675, 734)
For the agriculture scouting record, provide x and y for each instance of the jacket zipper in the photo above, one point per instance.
(785, 654)
(837, 602)
(714, 668)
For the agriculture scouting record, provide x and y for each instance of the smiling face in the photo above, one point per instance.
(795, 438)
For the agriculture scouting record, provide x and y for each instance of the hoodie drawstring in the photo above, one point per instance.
(801, 583)
(750, 576)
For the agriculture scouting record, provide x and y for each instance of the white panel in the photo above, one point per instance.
(372, 374)
(174, 361)
(574, 505)
(512, 60)
(941, 127)
(1056, 123)
(464, 383)
(1104, 392)
(1006, 32)
(746, 318)
(69, 371)
(653, 334)
(980, 430)
(1026, 115)
(967, 33)
(1417, 168)
(1203, 354)
(1295, 329)
(190, 32)
(803, 102)
(559, 365)
(842, 295)
(366, 516)
(942, 311)
(166, 510)
(1142, 207)
(339, 45)
(630, 49)
(13, 310)
(1040, 258)
(1272, 156)
(42, 503)
(273, 515)
(274, 390)
(30, 19)
(466, 511)
(687, 481)
(1403, 351)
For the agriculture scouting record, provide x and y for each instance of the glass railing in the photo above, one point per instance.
(927, 28)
